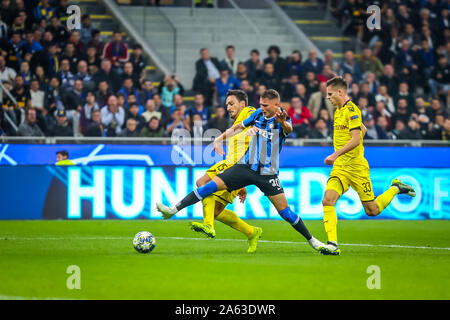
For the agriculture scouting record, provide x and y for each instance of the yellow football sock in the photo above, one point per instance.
(384, 199)
(330, 222)
(231, 219)
(209, 204)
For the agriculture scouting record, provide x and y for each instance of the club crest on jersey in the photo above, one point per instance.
(271, 126)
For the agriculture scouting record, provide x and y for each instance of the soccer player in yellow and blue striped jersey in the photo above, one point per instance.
(214, 205)
(350, 168)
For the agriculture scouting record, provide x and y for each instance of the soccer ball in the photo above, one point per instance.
(144, 242)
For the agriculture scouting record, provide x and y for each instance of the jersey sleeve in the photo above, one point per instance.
(354, 118)
(251, 119)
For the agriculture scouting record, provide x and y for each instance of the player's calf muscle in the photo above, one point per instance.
(371, 208)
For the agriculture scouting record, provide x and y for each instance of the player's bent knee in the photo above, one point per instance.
(328, 202)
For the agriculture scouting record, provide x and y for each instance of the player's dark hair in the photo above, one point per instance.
(239, 94)
(271, 94)
(337, 82)
(64, 153)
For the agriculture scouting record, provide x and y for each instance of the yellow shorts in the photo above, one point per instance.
(225, 197)
(359, 179)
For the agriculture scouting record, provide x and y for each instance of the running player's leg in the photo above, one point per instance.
(279, 201)
(337, 185)
(376, 206)
(193, 197)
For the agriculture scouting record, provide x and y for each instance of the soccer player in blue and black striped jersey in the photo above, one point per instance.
(259, 165)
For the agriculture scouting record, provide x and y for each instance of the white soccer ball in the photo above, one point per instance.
(144, 242)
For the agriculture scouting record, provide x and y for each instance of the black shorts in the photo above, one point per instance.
(240, 175)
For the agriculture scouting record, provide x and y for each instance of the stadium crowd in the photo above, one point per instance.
(71, 83)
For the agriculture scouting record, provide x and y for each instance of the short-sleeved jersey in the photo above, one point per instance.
(346, 119)
(238, 144)
(263, 154)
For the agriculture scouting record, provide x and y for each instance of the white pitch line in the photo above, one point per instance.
(6, 297)
(233, 240)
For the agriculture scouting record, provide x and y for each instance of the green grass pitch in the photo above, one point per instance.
(34, 256)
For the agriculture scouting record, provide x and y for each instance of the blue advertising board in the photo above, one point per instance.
(130, 192)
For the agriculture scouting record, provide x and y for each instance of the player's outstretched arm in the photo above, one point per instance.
(353, 143)
(281, 117)
(230, 132)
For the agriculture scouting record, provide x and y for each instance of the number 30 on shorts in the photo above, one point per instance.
(275, 183)
(367, 187)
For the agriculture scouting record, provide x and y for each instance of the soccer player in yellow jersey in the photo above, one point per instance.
(350, 168)
(214, 205)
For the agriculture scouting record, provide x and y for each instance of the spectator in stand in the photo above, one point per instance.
(435, 109)
(95, 128)
(206, 73)
(440, 76)
(406, 63)
(168, 91)
(113, 117)
(116, 51)
(248, 89)
(224, 83)
(318, 100)
(83, 75)
(374, 131)
(288, 88)
(77, 44)
(128, 89)
(37, 96)
(107, 74)
(326, 74)
(402, 112)
(199, 108)
(446, 131)
(178, 126)
(259, 92)
(132, 100)
(230, 63)
(372, 82)
(39, 75)
(365, 92)
(128, 72)
(300, 117)
(62, 127)
(86, 112)
(147, 92)
(269, 78)
(255, 65)
(350, 65)
(30, 128)
(96, 42)
(92, 59)
(154, 129)
(197, 128)
(320, 130)
(390, 80)
(54, 99)
(300, 91)
(178, 103)
(354, 91)
(295, 63)
(427, 55)
(86, 29)
(71, 54)
(139, 62)
(59, 31)
(312, 64)
(20, 93)
(399, 127)
(66, 78)
(150, 111)
(404, 93)
(411, 131)
(219, 121)
(44, 10)
(242, 73)
(25, 73)
(280, 65)
(130, 130)
(384, 96)
(371, 63)
(103, 93)
(380, 111)
(382, 123)
(329, 61)
(411, 35)
(6, 73)
(311, 82)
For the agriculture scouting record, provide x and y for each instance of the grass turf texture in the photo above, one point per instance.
(34, 256)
